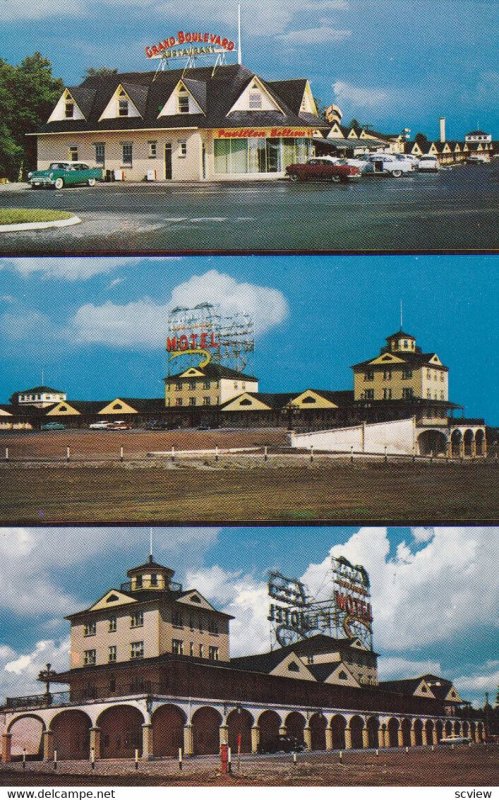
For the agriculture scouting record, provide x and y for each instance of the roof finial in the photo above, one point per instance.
(150, 546)
(239, 47)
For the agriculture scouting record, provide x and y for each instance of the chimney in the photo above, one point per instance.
(442, 129)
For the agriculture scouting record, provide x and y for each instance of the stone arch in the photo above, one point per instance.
(465, 728)
(480, 442)
(240, 723)
(480, 731)
(27, 734)
(372, 732)
(121, 731)
(318, 724)
(456, 440)
(295, 723)
(71, 730)
(468, 440)
(269, 723)
(429, 727)
(448, 728)
(356, 726)
(432, 442)
(418, 732)
(393, 732)
(439, 727)
(405, 727)
(206, 723)
(167, 730)
(472, 730)
(338, 725)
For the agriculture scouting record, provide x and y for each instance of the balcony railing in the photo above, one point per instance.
(37, 701)
(146, 583)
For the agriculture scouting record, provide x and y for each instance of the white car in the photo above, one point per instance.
(102, 425)
(387, 164)
(455, 739)
(429, 164)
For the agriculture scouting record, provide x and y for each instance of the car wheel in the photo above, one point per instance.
(336, 178)
(294, 178)
(58, 183)
(91, 181)
(397, 173)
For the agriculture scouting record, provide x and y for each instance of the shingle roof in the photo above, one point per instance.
(215, 93)
(39, 389)
(417, 359)
(215, 371)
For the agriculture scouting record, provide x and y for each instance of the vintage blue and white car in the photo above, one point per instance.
(65, 173)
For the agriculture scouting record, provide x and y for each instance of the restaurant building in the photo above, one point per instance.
(190, 124)
(150, 672)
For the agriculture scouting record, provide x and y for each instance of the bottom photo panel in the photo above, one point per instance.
(252, 656)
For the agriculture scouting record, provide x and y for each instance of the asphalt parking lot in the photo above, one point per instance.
(454, 210)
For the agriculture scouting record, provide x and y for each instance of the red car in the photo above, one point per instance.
(319, 169)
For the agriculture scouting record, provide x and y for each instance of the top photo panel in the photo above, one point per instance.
(336, 126)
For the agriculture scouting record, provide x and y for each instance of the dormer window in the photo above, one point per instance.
(255, 100)
(122, 104)
(182, 101)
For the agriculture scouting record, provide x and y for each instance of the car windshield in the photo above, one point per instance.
(57, 165)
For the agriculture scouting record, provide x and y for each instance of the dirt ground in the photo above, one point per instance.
(95, 487)
(475, 766)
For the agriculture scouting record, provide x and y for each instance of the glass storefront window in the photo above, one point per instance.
(242, 156)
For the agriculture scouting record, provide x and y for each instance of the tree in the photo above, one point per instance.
(99, 72)
(421, 139)
(28, 92)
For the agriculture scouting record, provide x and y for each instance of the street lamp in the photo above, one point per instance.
(47, 675)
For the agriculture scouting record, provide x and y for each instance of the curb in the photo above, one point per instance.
(35, 226)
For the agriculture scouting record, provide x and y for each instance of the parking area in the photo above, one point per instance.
(454, 209)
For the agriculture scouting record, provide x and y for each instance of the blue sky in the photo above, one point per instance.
(391, 64)
(97, 327)
(433, 590)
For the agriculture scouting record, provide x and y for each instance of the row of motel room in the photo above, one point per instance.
(399, 401)
(205, 124)
(150, 669)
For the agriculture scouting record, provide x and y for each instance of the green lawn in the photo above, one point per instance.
(15, 216)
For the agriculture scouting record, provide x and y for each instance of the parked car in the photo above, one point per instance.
(282, 744)
(428, 164)
(65, 173)
(317, 169)
(101, 425)
(157, 425)
(52, 426)
(119, 425)
(387, 164)
(476, 158)
(455, 739)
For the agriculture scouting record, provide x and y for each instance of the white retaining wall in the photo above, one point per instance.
(397, 436)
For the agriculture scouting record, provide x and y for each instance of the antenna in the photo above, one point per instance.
(401, 315)
(239, 48)
(150, 544)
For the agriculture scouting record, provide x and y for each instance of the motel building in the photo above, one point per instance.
(150, 670)
(190, 124)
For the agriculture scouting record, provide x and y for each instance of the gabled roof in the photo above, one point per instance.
(84, 98)
(405, 686)
(39, 390)
(144, 403)
(215, 93)
(274, 401)
(417, 359)
(215, 371)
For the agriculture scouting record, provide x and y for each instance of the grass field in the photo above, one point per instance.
(256, 491)
(16, 216)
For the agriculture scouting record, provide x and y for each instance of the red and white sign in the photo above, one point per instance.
(261, 133)
(214, 41)
(192, 341)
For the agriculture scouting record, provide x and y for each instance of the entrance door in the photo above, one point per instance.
(168, 162)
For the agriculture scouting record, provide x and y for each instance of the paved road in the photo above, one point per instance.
(453, 210)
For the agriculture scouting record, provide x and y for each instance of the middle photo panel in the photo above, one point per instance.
(222, 389)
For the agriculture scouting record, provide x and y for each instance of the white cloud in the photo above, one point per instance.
(483, 679)
(13, 11)
(67, 268)
(422, 534)
(362, 98)
(315, 35)
(142, 323)
(18, 670)
(394, 667)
